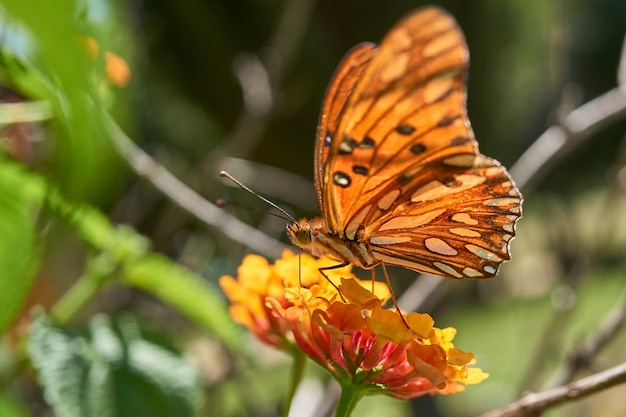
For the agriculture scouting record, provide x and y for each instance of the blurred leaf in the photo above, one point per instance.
(173, 284)
(188, 294)
(18, 257)
(57, 67)
(9, 408)
(112, 372)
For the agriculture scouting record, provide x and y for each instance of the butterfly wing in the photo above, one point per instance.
(343, 81)
(400, 170)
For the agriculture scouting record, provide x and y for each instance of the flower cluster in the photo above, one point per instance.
(116, 68)
(341, 324)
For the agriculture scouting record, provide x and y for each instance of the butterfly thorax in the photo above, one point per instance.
(314, 237)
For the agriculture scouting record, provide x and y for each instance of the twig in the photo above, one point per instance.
(578, 126)
(551, 336)
(583, 355)
(269, 67)
(533, 404)
(25, 111)
(621, 69)
(188, 199)
(292, 188)
(279, 53)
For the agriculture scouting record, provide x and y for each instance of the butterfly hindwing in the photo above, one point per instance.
(458, 223)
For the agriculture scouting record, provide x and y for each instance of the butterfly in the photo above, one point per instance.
(398, 176)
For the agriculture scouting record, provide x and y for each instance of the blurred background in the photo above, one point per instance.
(238, 85)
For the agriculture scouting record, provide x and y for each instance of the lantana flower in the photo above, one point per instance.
(116, 68)
(366, 347)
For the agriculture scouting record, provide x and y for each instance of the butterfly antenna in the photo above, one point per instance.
(222, 203)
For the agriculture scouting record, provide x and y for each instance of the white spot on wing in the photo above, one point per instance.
(489, 269)
(389, 240)
(354, 224)
(402, 222)
(387, 200)
(483, 253)
(472, 273)
(437, 245)
(434, 189)
(501, 202)
(493, 171)
(465, 219)
(462, 160)
(390, 260)
(461, 231)
(447, 269)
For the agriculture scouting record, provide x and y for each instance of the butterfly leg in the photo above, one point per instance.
(327, 268)
(393, 295)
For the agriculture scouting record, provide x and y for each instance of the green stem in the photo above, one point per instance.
(351, 394)
(299, 364)
(84, 289)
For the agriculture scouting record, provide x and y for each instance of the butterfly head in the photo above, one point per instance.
(305, 234)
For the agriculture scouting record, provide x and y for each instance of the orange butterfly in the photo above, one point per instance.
(398, 175)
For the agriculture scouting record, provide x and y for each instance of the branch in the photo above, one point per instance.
(274, 181)
(584, 355)
(533, 404)
(578, 126)
(25, 112)
(260, 78)
(186, 198)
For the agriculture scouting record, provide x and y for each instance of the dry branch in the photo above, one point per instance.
(533, 404)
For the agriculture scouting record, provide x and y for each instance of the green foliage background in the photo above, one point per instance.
(109, 304)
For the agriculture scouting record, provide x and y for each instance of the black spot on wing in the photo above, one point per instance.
(342, 179)
(360, 169)
(404, 179)
(417, 149)
(451, 182)
(446, 121)
(460, 141)
(327, 139)
(405, 129)
(367, 143)
(347, 145)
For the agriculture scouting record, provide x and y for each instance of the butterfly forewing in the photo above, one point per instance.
(397, 166)
(346, 76)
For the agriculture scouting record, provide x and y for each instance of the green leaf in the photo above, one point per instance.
(188, 294)
(56, 67)
(8, 408)
(111, 372)
(173, 284)
(18, 257)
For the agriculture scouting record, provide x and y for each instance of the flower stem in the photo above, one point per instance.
(299, 364)
(350, 396)
(84, 289)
